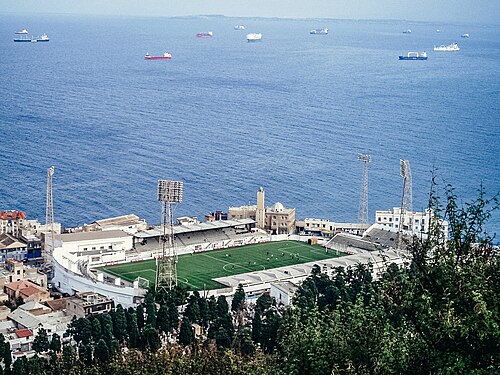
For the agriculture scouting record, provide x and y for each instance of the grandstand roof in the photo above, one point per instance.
(180, 229)
(301, 271)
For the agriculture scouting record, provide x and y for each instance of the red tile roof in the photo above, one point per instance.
(25, 332)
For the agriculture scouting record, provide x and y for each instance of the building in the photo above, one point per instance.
(215, 216)
(275, 219)
(12, 247)
(26, 290)
(283, 292)
(12, 221)
(128, 223)
(417, 222)
(327, 228)
(88, 303)
(95, 247)
(280, 220)
(15, 270)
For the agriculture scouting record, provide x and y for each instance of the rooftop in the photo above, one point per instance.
(125, 220)
(86, 236)
(180, 229)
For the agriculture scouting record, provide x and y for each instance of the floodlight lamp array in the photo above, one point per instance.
(170, 191)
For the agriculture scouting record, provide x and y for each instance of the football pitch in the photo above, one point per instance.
(196, 271)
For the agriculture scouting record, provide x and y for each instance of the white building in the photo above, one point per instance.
(417, 222)
(92, 248)
(283, 292)
(327, 228)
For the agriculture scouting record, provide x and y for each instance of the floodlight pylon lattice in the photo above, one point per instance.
(406, 203)
(169, 194)
(49, 215)
(363, 198)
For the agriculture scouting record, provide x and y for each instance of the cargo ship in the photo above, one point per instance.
(208, 34)
(165, 56)
(414, 56)
(253, 37)
(22, 36)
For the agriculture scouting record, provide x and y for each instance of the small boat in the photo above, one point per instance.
(465, 35)
(254, 37)
(407, 31)
(438, 31)
(414, 56)
(208, 34)
(449, 48)
(239, 27)
(22, 32)
(165, 56)
(322, 31)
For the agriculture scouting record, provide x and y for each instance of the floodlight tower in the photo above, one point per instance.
(169, 194)
(363, 198)
(49, 214)
(406, 202)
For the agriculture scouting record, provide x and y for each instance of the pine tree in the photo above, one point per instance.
(238, 299)
(186, 335)
(120, 324)
(55, 343)
(140, 317)
(41, 342)
(102, 352)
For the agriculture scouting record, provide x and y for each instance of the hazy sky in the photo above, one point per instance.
(477, 11)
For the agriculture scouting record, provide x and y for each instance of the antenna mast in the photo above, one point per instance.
(49, 214)
(363, 198)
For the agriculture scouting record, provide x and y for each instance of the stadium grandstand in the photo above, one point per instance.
(198, 237)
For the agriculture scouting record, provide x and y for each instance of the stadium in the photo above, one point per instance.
(117, 257)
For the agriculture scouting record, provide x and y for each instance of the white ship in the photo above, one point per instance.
(465, 35)
(253, 37)
(239, 27)
(322, 31)
(449, 48)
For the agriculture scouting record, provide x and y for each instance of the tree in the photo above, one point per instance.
(193, 309)
(120, 324)
(222, 306)
(132, 329)
(41, 342)
(140, 317)
(55, 343)
(7, 355)
(85, 353)
(102, 352)
(150, 309)
(173, 316)
(20, 366)
(186, 334)
(162, 321)
(222, 338)
(264, 302)
(96, 329)
(238, 299)
(243, 342)
(256, 327)
(150, 338)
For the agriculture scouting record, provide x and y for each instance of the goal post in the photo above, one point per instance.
(142, 282)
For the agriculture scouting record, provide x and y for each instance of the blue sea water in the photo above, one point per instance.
(226, 116)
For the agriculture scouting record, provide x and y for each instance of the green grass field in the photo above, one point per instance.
(196, 271)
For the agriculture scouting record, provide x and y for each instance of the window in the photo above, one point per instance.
(110, 247)
(396, 219)
(102, 248)
(93, 248)
(379, 218)
(416, 221)
(390, 220)
(84, 249)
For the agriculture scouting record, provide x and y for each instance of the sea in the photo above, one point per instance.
(290, 113)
